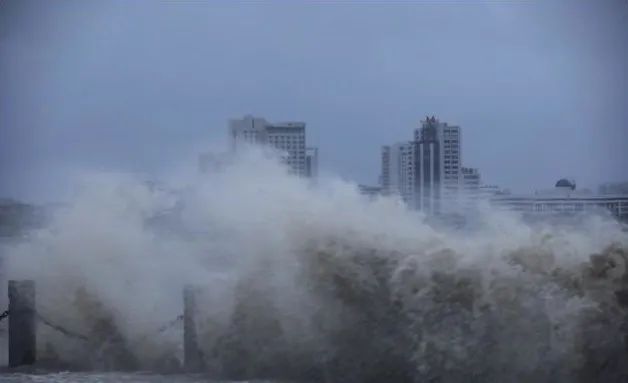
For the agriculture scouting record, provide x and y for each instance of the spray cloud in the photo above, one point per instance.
(319, 283)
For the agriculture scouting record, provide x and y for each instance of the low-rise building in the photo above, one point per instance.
(563, 199)
(613, 188)
(471, 180)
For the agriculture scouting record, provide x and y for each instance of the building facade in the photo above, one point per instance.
(385, 180)
(426, 172)
(429, 166)
(448, 142)
(613, 188)
(311, 162)
(564, 199)
(470, 185)
(248, 130)
(398, 171)
(486, 192)
(288, 138)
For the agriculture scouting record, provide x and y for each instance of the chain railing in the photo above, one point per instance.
(27, 318)
(61, 329)
(160, 329)
(75, 335)
(4, 315)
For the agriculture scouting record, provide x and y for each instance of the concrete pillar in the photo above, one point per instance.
(22, 340)
(192, 356)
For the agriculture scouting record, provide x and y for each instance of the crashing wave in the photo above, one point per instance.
(322, 285)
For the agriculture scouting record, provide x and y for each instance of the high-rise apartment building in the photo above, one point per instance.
(286, 137)
(425, 172)
(289, 139)
(398, 171)
(446, 141)
(247, 131)
(385, 180)
(429, 170)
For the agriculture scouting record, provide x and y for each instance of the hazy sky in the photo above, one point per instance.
(540, 88)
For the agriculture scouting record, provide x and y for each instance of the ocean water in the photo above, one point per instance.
(75, 377)
(72, 377)
(298, 281)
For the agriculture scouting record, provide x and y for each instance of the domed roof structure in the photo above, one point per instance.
(565, 183)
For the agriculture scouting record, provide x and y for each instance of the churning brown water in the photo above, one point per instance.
(319, 284)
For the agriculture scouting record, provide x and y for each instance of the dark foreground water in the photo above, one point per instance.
(110, 377)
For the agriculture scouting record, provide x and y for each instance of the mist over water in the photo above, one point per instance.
(319, 283)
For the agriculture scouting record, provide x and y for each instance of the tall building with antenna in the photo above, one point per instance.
(425, 172)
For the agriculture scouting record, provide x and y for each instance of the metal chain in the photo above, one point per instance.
(75, 335)
(61, 329)
(161, 329)
(169, 324)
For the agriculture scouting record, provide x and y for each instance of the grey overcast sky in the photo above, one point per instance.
(540, 88)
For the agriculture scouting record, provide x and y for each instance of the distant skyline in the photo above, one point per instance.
(539, 89)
